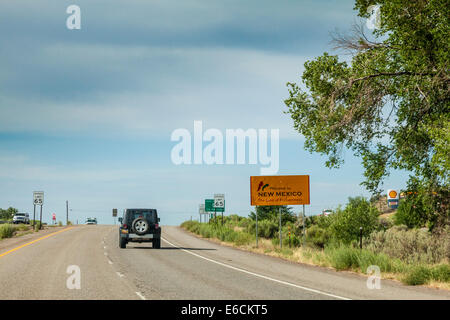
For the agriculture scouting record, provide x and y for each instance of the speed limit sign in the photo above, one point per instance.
(38, 198)
(219, 200)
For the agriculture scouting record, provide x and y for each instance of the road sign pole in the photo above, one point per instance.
(281, 242)
(67, 212)
(303, 229)
(40, 220)
(34, 214)
(256, 226)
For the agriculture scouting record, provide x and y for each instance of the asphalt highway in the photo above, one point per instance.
(186, 267)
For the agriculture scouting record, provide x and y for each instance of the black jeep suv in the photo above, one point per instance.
(139, 225)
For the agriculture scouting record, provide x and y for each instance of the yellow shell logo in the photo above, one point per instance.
(392, 194)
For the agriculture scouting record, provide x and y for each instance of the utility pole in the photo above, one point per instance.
(67, 212)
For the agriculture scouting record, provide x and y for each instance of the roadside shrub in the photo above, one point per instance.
(243, 223)
(385, 224)
(317, 236)
(60, 223)
(358, 213)
(342, 257)
(267, 229)
(194, 227)
(23, 227)
(225, 234)
(441, 273)
(345, 257)
(295, 241)
(367, 258)
(7, 230)
(243, 238)
(205, 230)
(285, 251)
(276, 242)
(412, 212)
(417, 276)
(415, 246)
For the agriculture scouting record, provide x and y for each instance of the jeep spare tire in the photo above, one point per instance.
(140, 226)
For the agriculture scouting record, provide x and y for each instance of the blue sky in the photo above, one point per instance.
(86, 115)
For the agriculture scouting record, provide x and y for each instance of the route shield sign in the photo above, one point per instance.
(279, 190)
(219, 201)
(38, 198)
(201, 208)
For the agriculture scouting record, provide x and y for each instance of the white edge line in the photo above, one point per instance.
(258, 275)
(140, 295)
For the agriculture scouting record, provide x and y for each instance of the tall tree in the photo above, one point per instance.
(390, 103)
(8, 213)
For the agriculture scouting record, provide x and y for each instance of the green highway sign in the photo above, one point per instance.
(209, 206)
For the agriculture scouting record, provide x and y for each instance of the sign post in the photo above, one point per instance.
(281, 240)
(219, 203)
(40, 220)
(280, 191)
(256, 215)
(114, 214)
(303, 228)
(34, 214)
(201, 210)
(38, 200)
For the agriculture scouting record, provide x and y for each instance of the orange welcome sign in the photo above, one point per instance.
(279, 190)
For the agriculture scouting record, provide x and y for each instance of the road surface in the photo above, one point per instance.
(185, 267)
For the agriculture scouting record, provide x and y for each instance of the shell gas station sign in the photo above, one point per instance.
(279, 190)
(392, 198)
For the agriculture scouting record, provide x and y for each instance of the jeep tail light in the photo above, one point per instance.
(156, 226)
(125, 226)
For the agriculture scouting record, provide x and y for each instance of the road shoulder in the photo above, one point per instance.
(10, 243)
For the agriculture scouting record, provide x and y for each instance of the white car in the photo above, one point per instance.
(21, 218)
(91, 221)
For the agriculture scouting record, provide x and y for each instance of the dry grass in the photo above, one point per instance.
(309, 256)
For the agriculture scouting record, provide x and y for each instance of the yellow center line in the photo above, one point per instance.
(36, 240)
